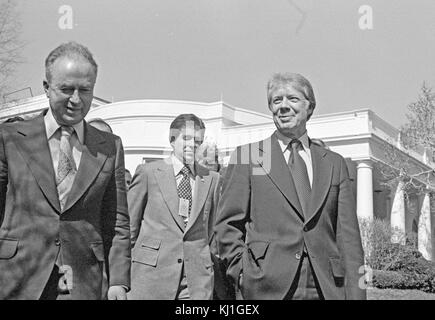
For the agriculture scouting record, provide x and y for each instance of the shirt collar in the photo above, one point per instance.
(51, 126)
(178, 165)
(284, 141)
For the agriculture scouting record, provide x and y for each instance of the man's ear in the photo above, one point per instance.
(46, 86)
(310, 112)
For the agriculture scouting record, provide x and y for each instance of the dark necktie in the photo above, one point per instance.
(185, 189)
(66, 169)
(298, 170)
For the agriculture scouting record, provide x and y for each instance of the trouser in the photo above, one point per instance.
(183, 291)
(52, 289)
(224, 288)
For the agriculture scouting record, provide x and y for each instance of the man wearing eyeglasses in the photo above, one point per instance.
(286, 223)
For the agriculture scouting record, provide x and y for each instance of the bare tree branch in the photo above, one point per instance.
(417, 134)
(10, 45)
(420, 127)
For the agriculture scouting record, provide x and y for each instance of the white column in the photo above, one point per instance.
(364, 201)
(398, 216)
(364, 204)
(424, 229)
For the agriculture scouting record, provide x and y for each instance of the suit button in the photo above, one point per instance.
(180, 260)
(298, 256)
(57, 242)
(305, 229)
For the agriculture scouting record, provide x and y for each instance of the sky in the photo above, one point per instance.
(208, 50)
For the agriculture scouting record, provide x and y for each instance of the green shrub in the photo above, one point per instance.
(395, 265)
(388, 279)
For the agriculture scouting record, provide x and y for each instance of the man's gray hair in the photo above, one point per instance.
(298, 81)
(72, 50)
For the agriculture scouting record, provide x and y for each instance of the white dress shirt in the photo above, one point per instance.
(305, 152)
(53, 136)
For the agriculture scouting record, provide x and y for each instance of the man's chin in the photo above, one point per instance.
(286, 128)
(69, 121)
(189, 159)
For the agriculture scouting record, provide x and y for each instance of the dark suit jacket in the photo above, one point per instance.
(161, 243)
(224, 288)
(92, 233)
(261, 230)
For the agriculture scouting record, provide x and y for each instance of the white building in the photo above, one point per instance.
(360, 136)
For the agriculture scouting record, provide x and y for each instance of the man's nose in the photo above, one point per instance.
(284, 108)
(286, 102)
(75, 98)
(189, 144)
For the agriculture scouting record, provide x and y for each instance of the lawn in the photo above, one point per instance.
(395, 294)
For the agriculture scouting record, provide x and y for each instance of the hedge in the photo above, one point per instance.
(394, 265)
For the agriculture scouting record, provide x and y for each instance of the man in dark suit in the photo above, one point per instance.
(172, 203)
(286, 223)
(64, 224)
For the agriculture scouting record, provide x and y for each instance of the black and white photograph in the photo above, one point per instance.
(219, 152)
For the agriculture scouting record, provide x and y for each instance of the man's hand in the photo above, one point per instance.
(117, 293)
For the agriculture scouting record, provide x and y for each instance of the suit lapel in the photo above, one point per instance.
(322, 175)
(31, 141)
(280, 175)
(168, 187)
(202, 186)
(93, 157)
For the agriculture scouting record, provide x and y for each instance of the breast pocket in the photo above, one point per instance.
(108, 168)
(148, 252)
(107, 171)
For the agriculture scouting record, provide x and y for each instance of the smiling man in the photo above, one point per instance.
(64, 224)
(172, 204)
(289, 230)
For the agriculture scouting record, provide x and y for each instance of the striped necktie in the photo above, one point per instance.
(66, 169)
